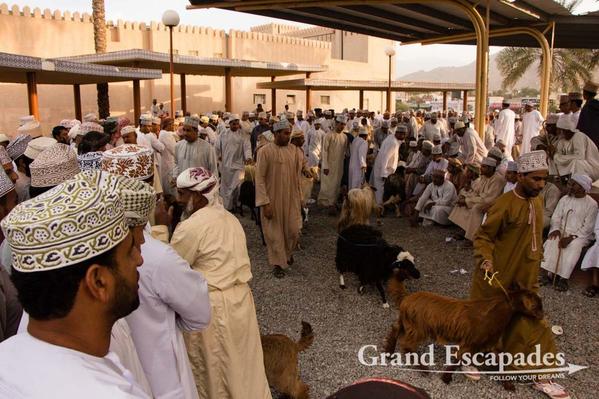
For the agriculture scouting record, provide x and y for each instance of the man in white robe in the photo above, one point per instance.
(334, 147)
(386, 162)
(505, 126)
(437, 200)
(357, 160)
(575, 152)
(226, 358)
(314, 143)
(192, 151)
(167, 160)
(532, 123)
(472, 148)
(571, 230)
(245, 125)
(511, 176)
(234, 151)
(77, 298)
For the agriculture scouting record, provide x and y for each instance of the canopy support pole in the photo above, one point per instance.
(136, 102)
(34, 108)
(77, 100)
(273, 98)
(183, 86)
(228, 97)
(361, 100)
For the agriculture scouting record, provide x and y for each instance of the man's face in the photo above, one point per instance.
(426, 152)
(460, 132)
(245, 117)
(511, 177)
(565, 107)
(234, 125)
(339, 127)
(393, 123)
(575, 189)
(282, 137)
(145, 128)
(501, 147)
(438, 179)
(317, 126)
(566, 134)
(487, 170)
(156, 128)
(190, 133)
(551, 129)
(125, 298)
(63, 136)
(528, 108)
(298, 141)
(401, 136)
(433, 120)
(386, 115)
(437, 158)
(532, 183)
(129, 138)
(263, 121)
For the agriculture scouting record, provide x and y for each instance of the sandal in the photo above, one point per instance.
(545, 280)
(562, 285)
(591, 291)
(278, 272)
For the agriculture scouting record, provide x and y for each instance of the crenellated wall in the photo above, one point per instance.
(48, 34)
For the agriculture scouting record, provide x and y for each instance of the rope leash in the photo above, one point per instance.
(490, 278)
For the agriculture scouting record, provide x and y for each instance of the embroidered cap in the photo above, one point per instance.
(532, 161)
(130, 160)
(53, 166)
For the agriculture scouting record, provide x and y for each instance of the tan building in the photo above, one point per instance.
(52, 34)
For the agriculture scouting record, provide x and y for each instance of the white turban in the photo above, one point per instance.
(584, 181)
(565, 122)
(202, 181)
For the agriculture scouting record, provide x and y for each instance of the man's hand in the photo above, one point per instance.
(487, 266)
(564, 242)
(162, 215)
(428, 206)
(554, 234)
(267, 211)
(326, 172)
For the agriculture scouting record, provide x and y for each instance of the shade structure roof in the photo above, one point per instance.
(366, 85)
(14, 68)
(417, 20)
(192, 65)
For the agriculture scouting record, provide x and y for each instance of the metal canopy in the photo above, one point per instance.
(365, 85)
(14, 69)
(416, 20)
(191, 65)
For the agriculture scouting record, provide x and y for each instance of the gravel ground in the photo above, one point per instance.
(343, 321)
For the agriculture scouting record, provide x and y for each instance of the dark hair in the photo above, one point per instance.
(51, 294)
(56, 131)
(35, 191)
(578, 102)
(92, 141)
(26, 162)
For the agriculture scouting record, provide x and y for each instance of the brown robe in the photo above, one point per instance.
(278, 173)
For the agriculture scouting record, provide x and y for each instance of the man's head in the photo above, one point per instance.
(532, 173)
(297, 138)
(511, 174)
(454, 166)
(234, 124)
(156, 122)
(434, 118)
(401, 132)
(130, 160)
(61, 134)
(427, 148)
(564, 104)
(154, 101)
(437, 153)
(487, 167)
(263, 119)
(282, 131)
(505, 104)
(53, 166)
(129, 135)
(459, 128)
(551, 124)
(340, 121)
(528, 107)
(579, 185)
(439, 177)
(299, 115)
(196, 189)
(565, 127)
(245, 116)
(190, 129)
(145, 123)
(575, 101)
(88, 266)
(589, 91)
(386, 115)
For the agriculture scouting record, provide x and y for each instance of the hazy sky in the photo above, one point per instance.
(409, 58)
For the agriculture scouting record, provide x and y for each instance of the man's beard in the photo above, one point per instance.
(126, 298)
(189, 209)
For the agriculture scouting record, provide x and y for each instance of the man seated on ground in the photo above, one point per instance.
(472, 147)
(551, 196)
(511, 176)
(571, 230)
(436, 202)
(575, 152)
(497, 152)
(437, 162)
(547, 140)
(456, 173)
(473, 204)
(418, 166)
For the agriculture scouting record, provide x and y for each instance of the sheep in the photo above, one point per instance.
(362, 250)
(476, 325)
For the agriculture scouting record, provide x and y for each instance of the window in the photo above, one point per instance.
(218, 55)
(259, 99)
(325, 100)
(195, 53)
(291, 99)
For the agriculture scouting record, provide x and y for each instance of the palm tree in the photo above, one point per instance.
(571, 67)
(99, 18)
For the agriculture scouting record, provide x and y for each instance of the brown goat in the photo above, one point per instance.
(474, 325)
(281, 361)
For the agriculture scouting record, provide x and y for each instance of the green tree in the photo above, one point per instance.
(571, 67)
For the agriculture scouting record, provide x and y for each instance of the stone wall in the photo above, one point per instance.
(48, 34)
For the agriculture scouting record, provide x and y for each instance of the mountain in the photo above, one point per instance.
(465, 74)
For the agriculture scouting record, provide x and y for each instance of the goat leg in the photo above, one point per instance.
(379, 286)
(391, 340)
(342, 281)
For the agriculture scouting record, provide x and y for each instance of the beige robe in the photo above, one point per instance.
(334, 147)
(484, 192)
(278, 172)
(226, 358)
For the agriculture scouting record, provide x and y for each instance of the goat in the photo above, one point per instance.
(362, 250)
(476, 325)
(357, 207)
(281, 361)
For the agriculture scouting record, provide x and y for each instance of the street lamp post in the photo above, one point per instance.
(171, 19)
(390, 51)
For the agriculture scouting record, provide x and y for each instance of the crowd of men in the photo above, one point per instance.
(125, 272)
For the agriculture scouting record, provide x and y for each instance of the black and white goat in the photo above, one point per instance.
(362, 250)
